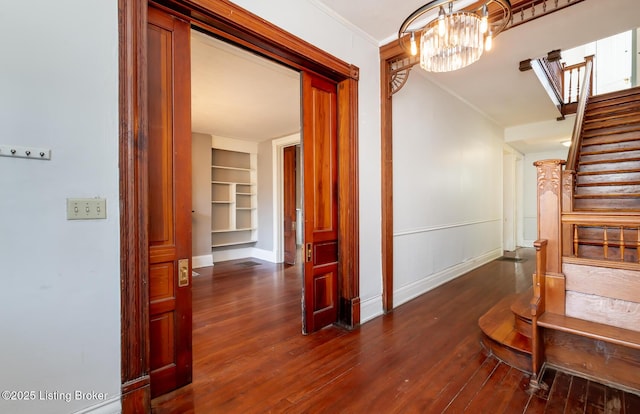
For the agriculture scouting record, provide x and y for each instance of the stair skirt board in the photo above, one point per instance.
(607, 363)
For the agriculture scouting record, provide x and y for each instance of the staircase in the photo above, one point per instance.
(598, 257)
(608, 173)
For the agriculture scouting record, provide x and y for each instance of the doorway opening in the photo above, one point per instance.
(230, 22)
(245, 112)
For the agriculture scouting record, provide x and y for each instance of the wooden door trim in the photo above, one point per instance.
(134, 260)
(388, 54)
(243, 28)
(348, 204)
(289, 167)
(277, 148)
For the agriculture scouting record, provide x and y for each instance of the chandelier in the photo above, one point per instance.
(454, 33)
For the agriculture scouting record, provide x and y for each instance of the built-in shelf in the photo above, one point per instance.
(233, 198)
(229, 182)
(223, 167)
(231, 230)
(228, 244)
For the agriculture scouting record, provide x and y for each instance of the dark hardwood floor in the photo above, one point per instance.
(424, 357)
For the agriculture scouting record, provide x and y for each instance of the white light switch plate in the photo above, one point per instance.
(86, 208)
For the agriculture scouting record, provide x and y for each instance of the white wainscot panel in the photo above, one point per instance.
(427, 258)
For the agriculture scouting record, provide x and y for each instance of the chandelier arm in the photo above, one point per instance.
(432, 5)
(506, 10)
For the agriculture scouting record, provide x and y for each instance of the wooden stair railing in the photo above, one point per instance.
(614, 236)
(576, 137)
(564, 84)
(571, 80)
(549, 71)
(523, 11)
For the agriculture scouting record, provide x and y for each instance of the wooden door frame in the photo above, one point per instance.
(389, 53)
(288, 193)
(277, 148)
(226, 20)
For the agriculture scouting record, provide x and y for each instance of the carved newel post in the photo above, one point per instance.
(550, 229)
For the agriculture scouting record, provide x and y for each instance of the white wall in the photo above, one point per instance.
(60, 296)
(312, 22)
(265, 197)
(447, 180)
(530, 193)
(201, 199)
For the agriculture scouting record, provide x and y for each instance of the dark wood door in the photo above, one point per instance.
(320, 202)
(289, 174)
(169, 158)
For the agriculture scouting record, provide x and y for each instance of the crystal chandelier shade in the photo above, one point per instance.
(454, 39)
(461, 44)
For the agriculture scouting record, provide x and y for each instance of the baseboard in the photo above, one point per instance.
(430, 282)
(370, 308)
(232, 254)
(202, 261)
(266, 255)
(110, 406)
(242, 253)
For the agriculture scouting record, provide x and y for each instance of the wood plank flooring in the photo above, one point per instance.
(424, 357)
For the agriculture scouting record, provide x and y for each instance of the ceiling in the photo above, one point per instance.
(239, 95)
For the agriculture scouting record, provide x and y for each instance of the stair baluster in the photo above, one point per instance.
(621, 243)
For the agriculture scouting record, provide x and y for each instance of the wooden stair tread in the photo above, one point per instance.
(612, 137)
(608, 183)
(609, 160)
(623, 95)
(521, 306)
(630, 170)
(588, 329)
(604, 210)
(611, 151)
(629, 106)
(583, 261)
(598, 131)
(608, 195)
(625, 118)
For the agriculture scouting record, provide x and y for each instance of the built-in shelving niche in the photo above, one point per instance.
(233, 198)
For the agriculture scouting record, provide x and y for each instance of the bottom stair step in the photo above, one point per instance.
(501, 337)
(521, 308)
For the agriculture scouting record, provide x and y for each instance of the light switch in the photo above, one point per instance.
(86, 208)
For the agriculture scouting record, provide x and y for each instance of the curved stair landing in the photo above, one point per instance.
(506, 329)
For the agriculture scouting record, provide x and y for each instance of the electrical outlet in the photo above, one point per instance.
(86, 208)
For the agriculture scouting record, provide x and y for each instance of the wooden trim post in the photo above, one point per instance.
(136, 393)
(348, 228)
(538, 308)
(550, 229)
